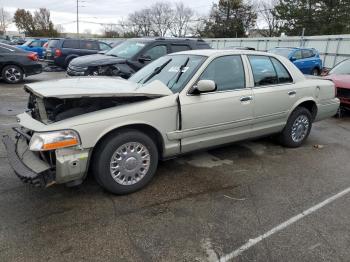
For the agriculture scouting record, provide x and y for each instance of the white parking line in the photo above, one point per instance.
(253, 242)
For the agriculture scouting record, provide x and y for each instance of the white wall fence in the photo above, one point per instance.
(333, 48)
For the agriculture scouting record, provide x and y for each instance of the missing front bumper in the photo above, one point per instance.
(38, 173)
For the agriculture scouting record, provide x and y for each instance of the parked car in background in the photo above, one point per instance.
(306, 59)
(130, 56)
(181, 102)
(7, 42)
(60, 51)
(18, 41)
(35, 46)
(340, 75)
(15, 64)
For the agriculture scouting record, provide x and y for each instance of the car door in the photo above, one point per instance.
(35, 46)
(150, 54)
(310, 61)
(88, 47)
(222, 116)
(274, 93)
(299, 62)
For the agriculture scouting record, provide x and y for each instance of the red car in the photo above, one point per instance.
(340, 75)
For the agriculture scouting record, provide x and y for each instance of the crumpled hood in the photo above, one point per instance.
(96, 60)
(96, 87)
(340, 80)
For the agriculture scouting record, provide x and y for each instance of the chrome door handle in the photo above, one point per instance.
(246, 98)
(292, 93)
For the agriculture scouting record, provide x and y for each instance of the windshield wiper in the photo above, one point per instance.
(156, 71)
(179, 73)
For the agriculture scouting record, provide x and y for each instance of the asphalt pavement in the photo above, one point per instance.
(247, 200)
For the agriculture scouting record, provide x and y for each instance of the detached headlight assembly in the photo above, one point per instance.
(54, 140)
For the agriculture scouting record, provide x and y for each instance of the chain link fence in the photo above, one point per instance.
(333, 49)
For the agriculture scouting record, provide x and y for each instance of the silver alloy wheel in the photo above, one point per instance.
(12, 74)
(130, 163)
(300, 128)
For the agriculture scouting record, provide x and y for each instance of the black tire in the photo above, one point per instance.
(103, 156)
(286, 137)
(12, 74)
(315, 72)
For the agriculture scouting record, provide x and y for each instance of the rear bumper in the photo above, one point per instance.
(326, 110)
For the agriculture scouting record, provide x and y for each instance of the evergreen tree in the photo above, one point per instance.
(229, 18)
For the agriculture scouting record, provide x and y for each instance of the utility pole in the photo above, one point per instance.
(78, 18)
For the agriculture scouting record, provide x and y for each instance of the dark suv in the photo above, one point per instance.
(130, 56)
(61, 51)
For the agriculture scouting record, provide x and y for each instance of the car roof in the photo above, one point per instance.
(168, 39)
(218, 52)
(294, 48)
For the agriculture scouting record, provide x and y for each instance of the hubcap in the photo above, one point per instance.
(12, 74)
(300, 128)
(130, 163)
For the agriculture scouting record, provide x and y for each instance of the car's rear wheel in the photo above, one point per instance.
(12, 74)
(297, 129)
(315, 72)
(125, 162)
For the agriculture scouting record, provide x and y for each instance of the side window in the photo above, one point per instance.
(71, 44)
(297, 55)
(156, 52)
(282, 73)
(104, 46)
(227, 72)
(263, 71)
(179, 48)
(90, 45)
(307, 53)
(35, 44)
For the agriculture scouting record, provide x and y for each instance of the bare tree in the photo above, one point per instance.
(5, 20)
(267, 14)
(162, 16)
(111, 30)
(182, 19)
(141, 22)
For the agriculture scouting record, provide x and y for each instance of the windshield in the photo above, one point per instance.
(126, 49)
(281, 51)
(342, 68)
(170, 73)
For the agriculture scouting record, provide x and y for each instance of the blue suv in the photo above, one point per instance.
(306, 59)
(34, 45)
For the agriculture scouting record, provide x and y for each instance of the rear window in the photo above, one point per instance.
(90, 45)
(71, 44)
(53, 43)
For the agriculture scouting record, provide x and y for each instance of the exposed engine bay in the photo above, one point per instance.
(48, 110)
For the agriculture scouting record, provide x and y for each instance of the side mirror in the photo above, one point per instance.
(293, 59)
(144, 58)
(205, 86)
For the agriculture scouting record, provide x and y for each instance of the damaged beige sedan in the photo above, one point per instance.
(119, 129)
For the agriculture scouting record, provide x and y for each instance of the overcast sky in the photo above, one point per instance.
(99, 11)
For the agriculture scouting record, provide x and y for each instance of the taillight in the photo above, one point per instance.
(58, 52)
(33, 56)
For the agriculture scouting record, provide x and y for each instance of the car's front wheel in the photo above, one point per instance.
(125, 161)
(297, 129)
(12, 74)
